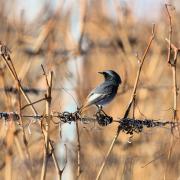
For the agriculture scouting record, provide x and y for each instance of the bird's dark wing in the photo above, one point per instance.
(100, 92)
(104, 88)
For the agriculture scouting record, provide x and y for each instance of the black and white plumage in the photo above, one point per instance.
(105, 92)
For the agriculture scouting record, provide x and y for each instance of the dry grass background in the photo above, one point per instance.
(105, 44)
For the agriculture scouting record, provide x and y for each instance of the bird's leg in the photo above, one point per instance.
(104, 112)
(100, 109)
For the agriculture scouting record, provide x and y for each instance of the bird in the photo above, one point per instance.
(104, 93)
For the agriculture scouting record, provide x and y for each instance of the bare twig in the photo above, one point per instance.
(21, 152)
(170, 33)
(139, 72)
(155, 159)
(174, 77)
(129, 106)
(9, 154)
(25, 106)
(47, 125)
(172, 60)
(27, 153)
(78, 151)
(4, 52)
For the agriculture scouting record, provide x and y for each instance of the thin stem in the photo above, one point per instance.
(14, 75)
(47, 126)
(25, 106)
(29, 170)
(78, 151)
(172, 62)
(170, 33)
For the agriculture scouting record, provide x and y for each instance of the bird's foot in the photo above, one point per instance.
(102, 118)
(100, 110)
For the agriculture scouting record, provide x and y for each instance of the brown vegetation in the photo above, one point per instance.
(45, 74)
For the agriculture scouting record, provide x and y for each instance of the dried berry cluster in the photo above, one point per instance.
(129, 126)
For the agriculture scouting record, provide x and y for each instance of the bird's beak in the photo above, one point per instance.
(101, 72)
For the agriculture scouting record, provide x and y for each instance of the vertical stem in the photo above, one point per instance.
(170, 33)
(172, 62)
(174, 92)
(9, 144)
(47, 127)
(78, 151)
(27, 153)
(107, 155)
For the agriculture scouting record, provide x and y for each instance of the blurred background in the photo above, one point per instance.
(76, 39)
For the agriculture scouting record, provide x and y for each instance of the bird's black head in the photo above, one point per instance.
(111, 75)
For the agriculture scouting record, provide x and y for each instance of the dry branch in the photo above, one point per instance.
(172, 60)
(46, 127)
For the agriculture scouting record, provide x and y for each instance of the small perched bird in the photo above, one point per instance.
(105, 92)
